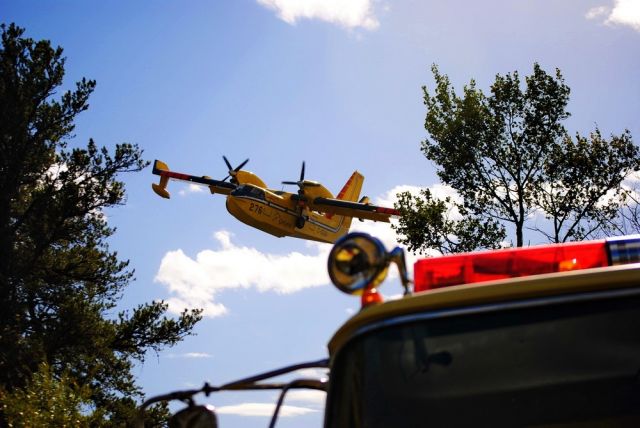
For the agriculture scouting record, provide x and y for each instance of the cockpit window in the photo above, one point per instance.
(248, 191)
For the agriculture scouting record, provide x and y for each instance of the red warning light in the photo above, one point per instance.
(370, 297)
(445, 271)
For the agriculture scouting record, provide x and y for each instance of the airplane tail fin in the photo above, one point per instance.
(351, 189)
(349, 192)
(161, 188)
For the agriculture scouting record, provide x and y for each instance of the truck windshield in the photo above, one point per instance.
(569, 364)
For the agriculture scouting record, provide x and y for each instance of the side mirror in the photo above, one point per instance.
(358, 262)
(194, 417)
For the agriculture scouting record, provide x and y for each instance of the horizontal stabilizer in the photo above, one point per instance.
(160, 168)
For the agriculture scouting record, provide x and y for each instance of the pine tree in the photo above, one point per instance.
(59, 281)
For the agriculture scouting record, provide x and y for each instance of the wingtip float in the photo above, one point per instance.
(310, 213)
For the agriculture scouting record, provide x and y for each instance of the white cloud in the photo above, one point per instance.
(190, 355)
(439, 191)
(262, 409)
(315, 373)
(623, 12)
(626, 12)
(597, 12)
(191, 188)
(346, 13)
(310, 397)
(194, 282)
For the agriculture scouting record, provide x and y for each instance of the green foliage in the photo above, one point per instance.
(46, 402)
(509, 157)
(440, 228)
(583, 193)
(59, 281)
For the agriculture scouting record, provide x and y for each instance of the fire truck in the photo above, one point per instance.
(543, 336)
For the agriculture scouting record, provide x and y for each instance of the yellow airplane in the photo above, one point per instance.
(311, 213)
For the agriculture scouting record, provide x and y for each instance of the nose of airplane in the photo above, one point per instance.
(232, 204)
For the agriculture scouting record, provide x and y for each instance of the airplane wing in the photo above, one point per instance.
(359, 210)
(160, 168)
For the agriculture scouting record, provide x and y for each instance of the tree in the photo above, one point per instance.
(428, 223)
(59, 281)
(584, 193)
(509, 156)
(46, 401)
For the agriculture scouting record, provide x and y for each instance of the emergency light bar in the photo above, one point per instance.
(437, 272)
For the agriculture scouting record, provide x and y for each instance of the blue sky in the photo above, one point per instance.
(334, 83)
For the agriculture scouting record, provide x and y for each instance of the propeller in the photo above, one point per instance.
(301, 183)
(302, 202)
(232, 170)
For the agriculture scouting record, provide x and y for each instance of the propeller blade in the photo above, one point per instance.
(227, 162)
(301, 183)
(232, 170)
(239, 167)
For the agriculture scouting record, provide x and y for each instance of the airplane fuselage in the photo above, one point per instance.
(278, 213)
